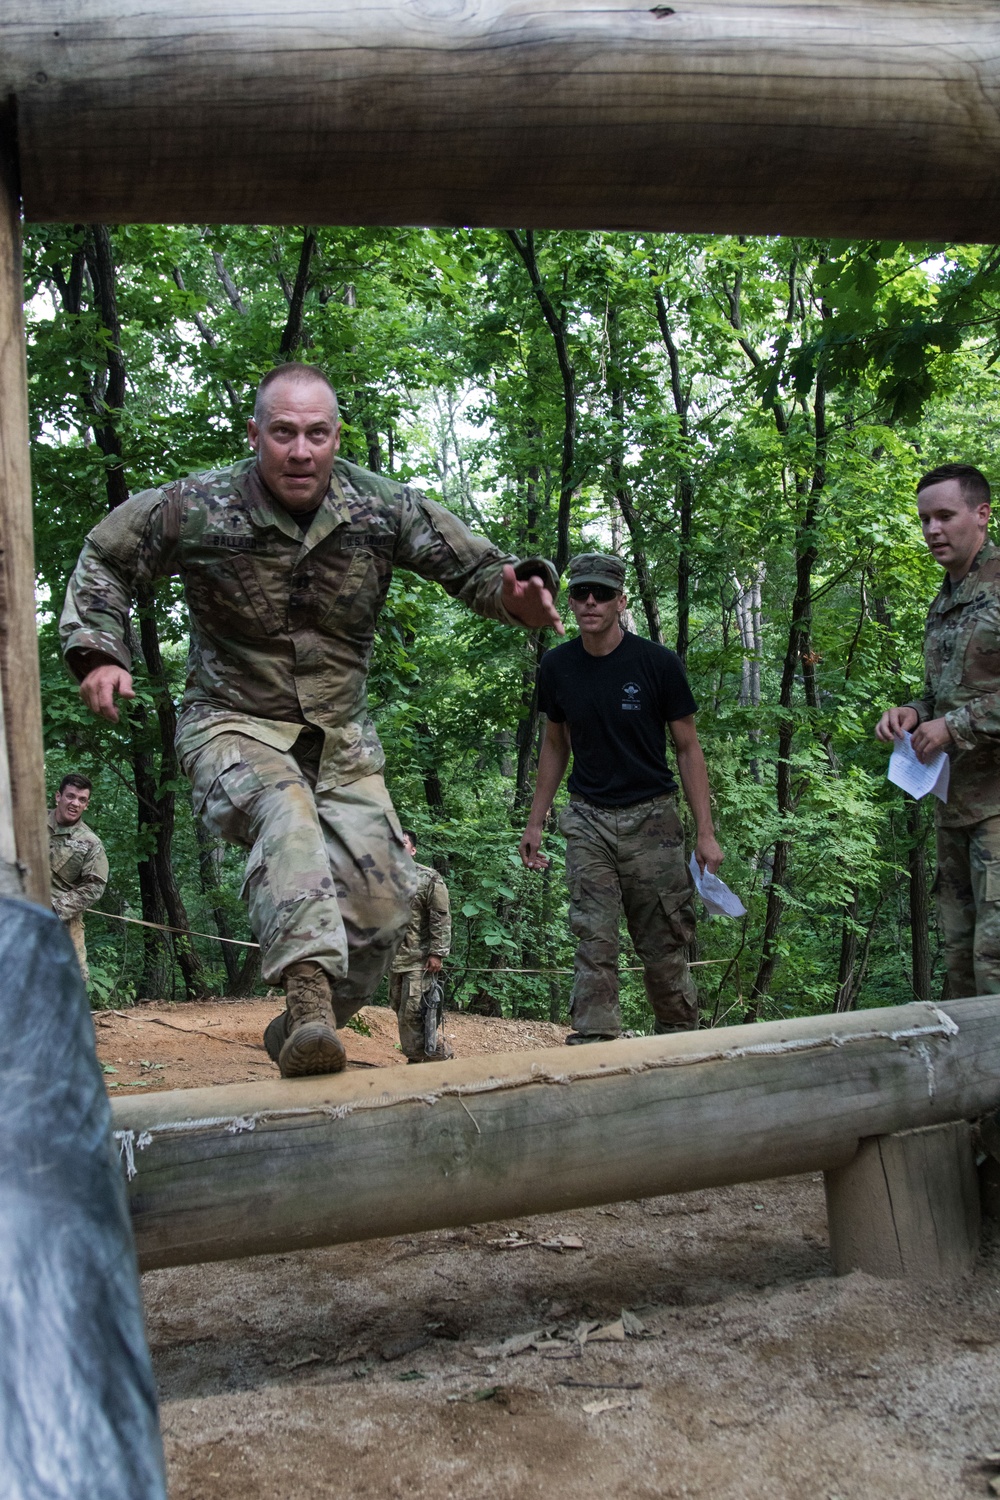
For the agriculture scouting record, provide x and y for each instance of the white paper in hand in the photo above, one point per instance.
(906, 771)
(719, 900)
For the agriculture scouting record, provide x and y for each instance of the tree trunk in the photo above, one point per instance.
(557, 327)
(843, 996)
(160, 895)
(797, 647)
(527, 726)
(433, 791)
(619, 482)
(685, 480)
(292, 336)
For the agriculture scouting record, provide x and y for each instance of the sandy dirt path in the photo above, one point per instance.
(743, 1369)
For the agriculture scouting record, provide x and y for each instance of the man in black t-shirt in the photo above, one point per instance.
(609, 697)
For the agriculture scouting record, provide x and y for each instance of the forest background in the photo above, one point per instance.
(743, 419)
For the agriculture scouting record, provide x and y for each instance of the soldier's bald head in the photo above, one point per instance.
(291, 374)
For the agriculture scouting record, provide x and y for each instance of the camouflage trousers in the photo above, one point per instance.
(328, 878)
(631, 857)
(74, 927)
(406, 996)
(968, 899)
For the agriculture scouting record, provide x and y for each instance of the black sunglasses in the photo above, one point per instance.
(602, 592)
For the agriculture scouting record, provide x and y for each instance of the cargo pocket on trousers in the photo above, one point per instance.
(991, 886)
(204, 768)
(678, 908)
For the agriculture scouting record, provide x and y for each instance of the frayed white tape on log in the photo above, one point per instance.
(235, 1124)
(128, 1144)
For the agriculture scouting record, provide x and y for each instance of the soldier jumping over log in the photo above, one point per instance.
(286, 560)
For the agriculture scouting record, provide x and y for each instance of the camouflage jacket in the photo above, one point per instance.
(430, 923)
(79, 867)
(282, 623)
(962, 686)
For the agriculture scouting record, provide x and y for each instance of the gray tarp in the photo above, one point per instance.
(78, 1416)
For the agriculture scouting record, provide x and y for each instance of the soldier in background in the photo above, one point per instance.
(426, 944)
(77, 861)
(960, 712)
(286, 560)
(610, 698)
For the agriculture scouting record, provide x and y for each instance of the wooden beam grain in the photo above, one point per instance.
(845, 117)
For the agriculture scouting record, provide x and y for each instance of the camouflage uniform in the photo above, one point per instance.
(962, 667)
(274, 731)
(632, 857)
(79, 869)
(429, 934)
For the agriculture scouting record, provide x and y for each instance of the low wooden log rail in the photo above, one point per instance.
(250, 1168)
(844, 117)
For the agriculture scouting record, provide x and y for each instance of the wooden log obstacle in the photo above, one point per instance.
(844, 117)
(250, 1169)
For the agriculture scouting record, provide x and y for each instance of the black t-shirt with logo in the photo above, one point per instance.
(617, 708)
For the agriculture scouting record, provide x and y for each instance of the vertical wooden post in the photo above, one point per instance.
(22, 781)
(907, 1205)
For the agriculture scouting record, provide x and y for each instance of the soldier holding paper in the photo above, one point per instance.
(959, 712)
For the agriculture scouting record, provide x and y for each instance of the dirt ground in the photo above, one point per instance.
(688, 1346)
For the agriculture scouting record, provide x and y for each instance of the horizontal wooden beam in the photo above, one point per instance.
(251, 1168)
(844, 117)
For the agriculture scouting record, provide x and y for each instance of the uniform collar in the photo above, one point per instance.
(265, 510)
(62, 829)
(952, 596)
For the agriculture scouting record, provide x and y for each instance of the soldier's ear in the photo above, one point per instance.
(253, 434)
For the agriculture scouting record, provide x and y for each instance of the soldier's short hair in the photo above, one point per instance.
(409, 834)
(299, 374)
(77, 779)
(974, 484)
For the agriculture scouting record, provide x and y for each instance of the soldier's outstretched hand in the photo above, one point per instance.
(99, 687)
(529, 601)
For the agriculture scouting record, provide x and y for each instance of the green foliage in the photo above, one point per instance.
(809, 385)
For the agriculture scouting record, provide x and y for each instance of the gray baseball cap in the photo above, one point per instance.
(596, 567)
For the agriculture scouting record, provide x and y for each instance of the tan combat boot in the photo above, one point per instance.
(311, 1044)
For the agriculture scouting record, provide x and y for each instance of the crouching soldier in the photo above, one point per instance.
(413, 984)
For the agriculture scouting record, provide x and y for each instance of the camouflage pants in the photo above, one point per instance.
(406, 996)
(968, 899)
(74, 927)
(328, 878)
(631, 857)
